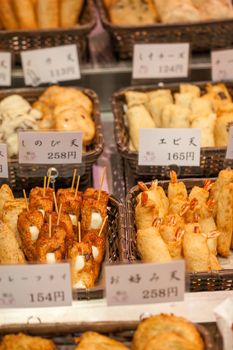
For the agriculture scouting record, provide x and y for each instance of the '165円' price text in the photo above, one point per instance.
(181, 156)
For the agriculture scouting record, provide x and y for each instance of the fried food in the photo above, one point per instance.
(48, 13)
(151, 246)
(7, 15)
(97, 244)
(29, 225)
(169, 341)
(157, 325)
(95, 341)
(51, 249)
(10, 213)
(25, 342)
(10, 252)
(82, 265)
(70, 11)
(5, 195)
(66, 221)
(25, 13)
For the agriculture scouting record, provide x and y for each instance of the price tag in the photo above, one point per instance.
(222, 65)
(3, 161)
(50, 147)
(160, 61)
(145, 283)
(229, 153)
(39, 285)
(5, 69)
(169, 146)
(50, 65)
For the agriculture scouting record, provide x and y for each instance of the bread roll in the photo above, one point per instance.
(48, 13)
(10, 252)
(25, 14)
(70, 11)
(8, 18)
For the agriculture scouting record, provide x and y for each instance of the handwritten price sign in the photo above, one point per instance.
(5, 69)
(50, 65)
(160, 61)
(169, 146)
(50, 147)
(222, 65)
(35, 285)
(145, 283)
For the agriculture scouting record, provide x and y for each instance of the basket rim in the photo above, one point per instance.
(82, 28)
(224, 273)
(118, 115)
(90, 155)
(158, 25)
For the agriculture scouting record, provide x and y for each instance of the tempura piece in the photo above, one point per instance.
(95, 341)
(10, 252)
(224, 219)
(26, 342)
(196, 251)
(5, 195)
(151, 246)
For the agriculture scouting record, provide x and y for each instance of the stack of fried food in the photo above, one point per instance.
(210, 111)
(159, 332)
(195, 226)
(58, 108)
(39, 14)
(143, 12)
(50, 228)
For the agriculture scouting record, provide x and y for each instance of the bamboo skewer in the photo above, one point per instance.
(44, 187)
(48, 183)
(26, 201)
(59, 214)
(55, 202)
(77, 186)
(73, 180)
(79, 233)
(102, 227)
(50, 226)
(101, 182)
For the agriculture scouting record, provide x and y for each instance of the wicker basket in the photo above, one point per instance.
(64, 334)
(16, 41)
(202, 36)
(211, 162)
(116, 249)
(196, 282)
(28, 176)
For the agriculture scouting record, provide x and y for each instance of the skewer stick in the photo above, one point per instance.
(26, 201)
(79, 233)
(101, 182)
(74, 177)
(102, 227)
(44, 187)
(55, 202)
(77, 186)
(48, 183)
(59, 214)
(50, 226)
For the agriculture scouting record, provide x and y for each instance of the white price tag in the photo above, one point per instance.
(160, 146)
(50, 65)
(39, 285)
(145, 283)
(3, 161)
(5, 69)
(222, 65)
(229, 153)
(160, 61)
(50, 147)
